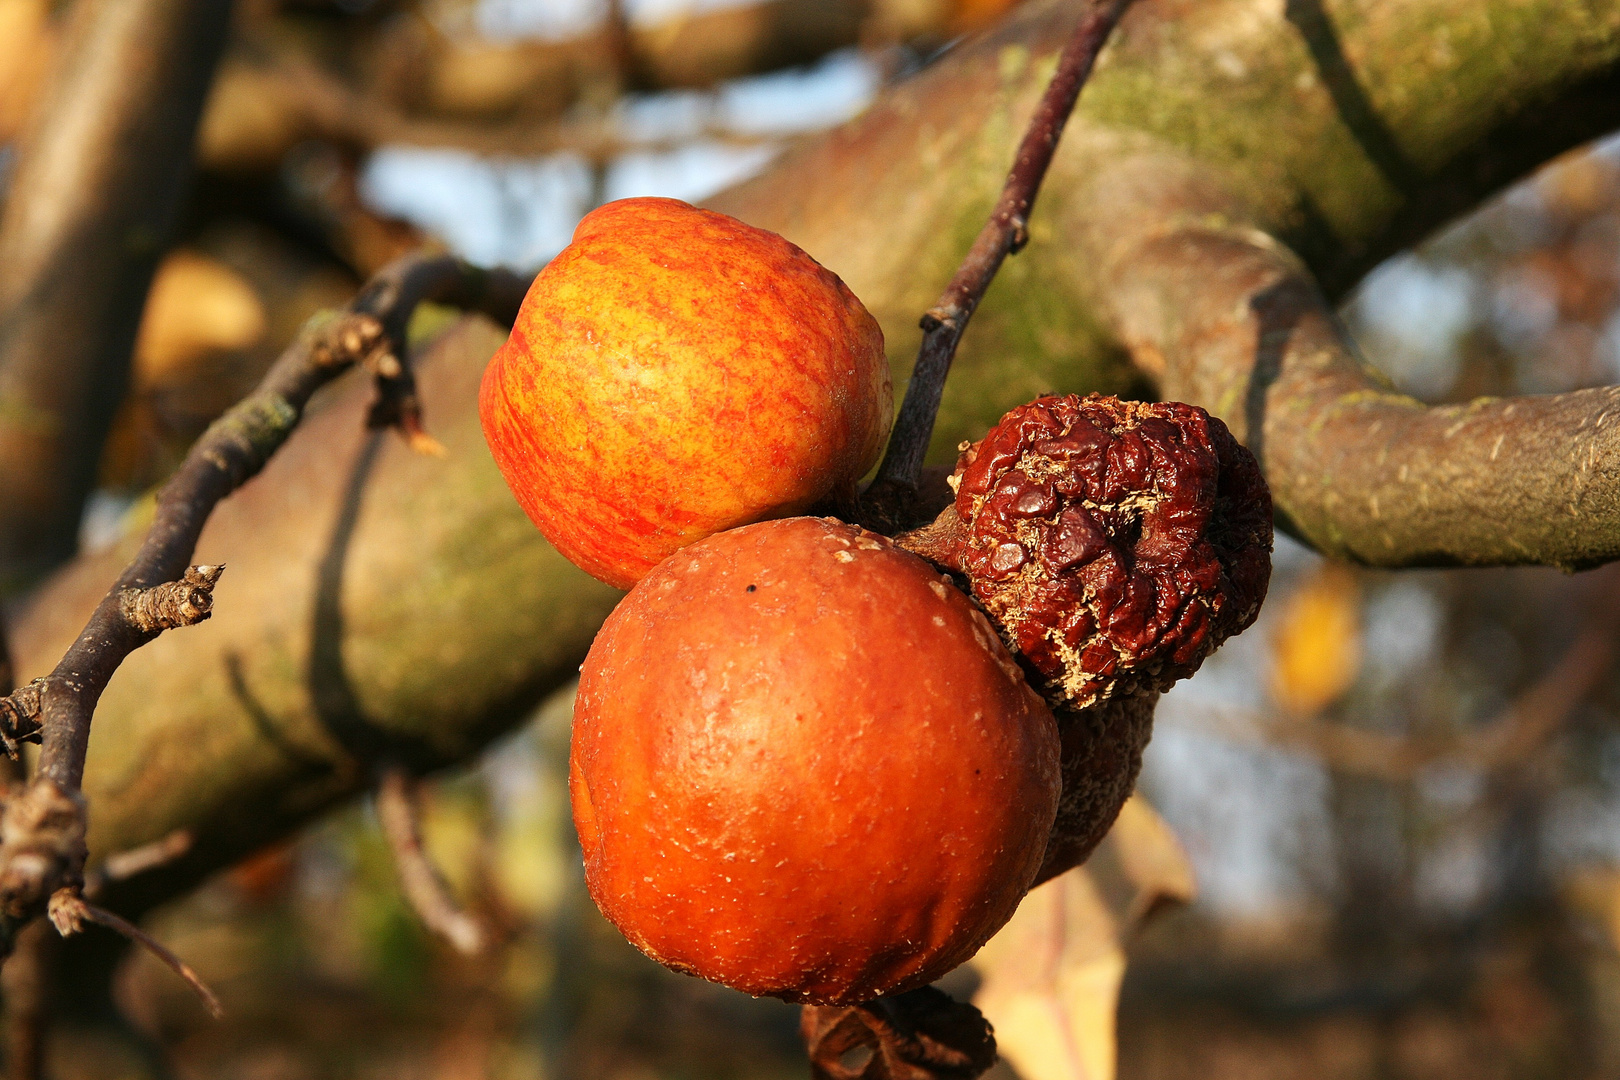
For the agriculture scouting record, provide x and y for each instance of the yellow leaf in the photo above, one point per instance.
(1316, 647)
(1052, 975)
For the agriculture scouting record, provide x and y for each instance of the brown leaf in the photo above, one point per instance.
(1052, 975)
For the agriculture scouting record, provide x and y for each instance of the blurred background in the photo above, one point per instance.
(1399, 794)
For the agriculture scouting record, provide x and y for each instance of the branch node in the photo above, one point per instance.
(1019, 236)
(42, 845)
(174, 603)
(348, 339)
(20, 717)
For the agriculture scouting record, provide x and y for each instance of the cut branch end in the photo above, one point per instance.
(175, 603)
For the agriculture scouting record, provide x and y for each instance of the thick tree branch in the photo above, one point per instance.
(93, 199)
(1229, 319)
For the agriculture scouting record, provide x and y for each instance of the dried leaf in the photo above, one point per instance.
(1052, 975)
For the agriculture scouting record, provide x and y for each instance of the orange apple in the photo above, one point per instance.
(804, 765)
(675, 372)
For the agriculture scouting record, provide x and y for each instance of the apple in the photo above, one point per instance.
(804, 765)
(675, 372)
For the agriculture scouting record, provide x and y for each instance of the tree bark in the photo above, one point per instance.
(1215, 138)
(383, 605)
(92, 202)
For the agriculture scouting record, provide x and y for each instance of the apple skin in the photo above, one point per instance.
(803, 765)
(675, 372)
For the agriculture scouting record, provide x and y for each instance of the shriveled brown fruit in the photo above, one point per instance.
(1115, 544)
(804, 766)
(1101, 754)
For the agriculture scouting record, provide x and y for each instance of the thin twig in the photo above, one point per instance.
(157, 590)
(1004, 234)
(69, 912)
(424, 888)
(127, 864)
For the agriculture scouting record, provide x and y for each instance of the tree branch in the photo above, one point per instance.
(424, 888)
(1227, 318)
(42, 835)
(389, 605)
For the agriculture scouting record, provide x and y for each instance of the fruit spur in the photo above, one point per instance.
(809, 760)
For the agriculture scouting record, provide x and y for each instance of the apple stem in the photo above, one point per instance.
(1004, 234)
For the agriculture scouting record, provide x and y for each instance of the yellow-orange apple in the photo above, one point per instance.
(675, 372)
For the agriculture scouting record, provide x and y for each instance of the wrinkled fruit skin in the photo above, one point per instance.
(675, 372)
(1101, 758)
(803, 765)
(1115, 543)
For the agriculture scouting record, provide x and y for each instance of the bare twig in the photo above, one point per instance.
(42, 832)
(1004, 234)
(424, 888)
(127, 864)
(69, 911)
